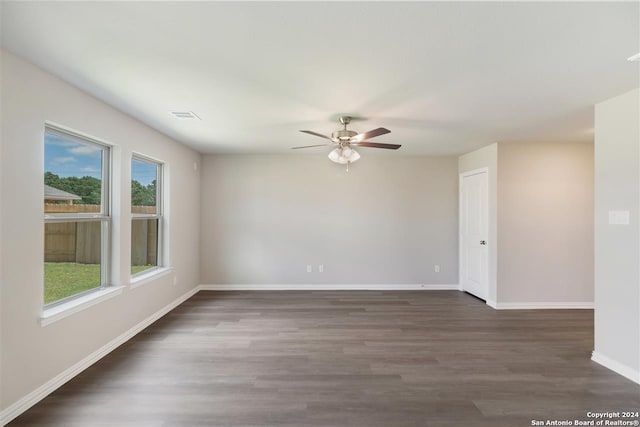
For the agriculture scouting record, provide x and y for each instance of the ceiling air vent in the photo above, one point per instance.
(185, 115)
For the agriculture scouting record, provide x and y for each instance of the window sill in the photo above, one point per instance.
(53, 314)
(149, 276)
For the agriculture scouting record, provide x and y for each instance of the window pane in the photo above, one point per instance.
(73, 174)
(144, 179)
(72, 255)
(144, 244)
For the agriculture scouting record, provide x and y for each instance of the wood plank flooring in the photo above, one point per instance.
(344, 358)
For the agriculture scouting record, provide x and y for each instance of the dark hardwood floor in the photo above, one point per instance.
(344, 358)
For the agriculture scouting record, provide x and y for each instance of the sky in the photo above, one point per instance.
(143, 172)
(67, 157)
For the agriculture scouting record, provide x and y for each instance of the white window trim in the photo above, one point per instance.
(104, 217)
(148, 276)
(162, 268)
(60, 311)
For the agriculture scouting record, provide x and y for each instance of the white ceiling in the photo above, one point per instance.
(445, 78)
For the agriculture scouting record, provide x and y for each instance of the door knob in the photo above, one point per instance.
(483, 242)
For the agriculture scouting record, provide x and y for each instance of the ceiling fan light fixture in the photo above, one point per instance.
(344, 155)
(335, 155)
(353, 156)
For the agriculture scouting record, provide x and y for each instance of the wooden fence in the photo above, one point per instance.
(60, 208)
(81, 242)
(144, 242)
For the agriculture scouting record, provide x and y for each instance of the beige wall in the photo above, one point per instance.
(387, 221)
(540, 222)
(487, 157)
(617, 247)
(31, 354)
(545, 223)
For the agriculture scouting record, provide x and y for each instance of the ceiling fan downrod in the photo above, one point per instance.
(345, 120)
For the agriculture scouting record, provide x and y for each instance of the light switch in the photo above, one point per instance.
(619, 217)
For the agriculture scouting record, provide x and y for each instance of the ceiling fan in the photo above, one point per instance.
(344, 140)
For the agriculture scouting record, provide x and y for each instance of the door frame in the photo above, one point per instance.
(463, 175)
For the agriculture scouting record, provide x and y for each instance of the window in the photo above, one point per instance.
(76, 215)
(146, 214)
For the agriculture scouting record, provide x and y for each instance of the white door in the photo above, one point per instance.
(474, 226)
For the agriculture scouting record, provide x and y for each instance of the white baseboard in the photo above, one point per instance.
(328, 287)
(616, 367)
(540, 305)
(47, 388)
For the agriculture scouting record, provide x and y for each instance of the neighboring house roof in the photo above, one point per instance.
(52, 193)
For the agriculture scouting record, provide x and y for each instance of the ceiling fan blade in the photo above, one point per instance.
(310, 132)
(377, 145)
(309, 146)
(370, 134)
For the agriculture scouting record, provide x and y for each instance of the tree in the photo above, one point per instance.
(90, 188)
(143, 195)
(87, 187)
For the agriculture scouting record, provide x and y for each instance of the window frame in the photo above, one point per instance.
(104, 216)
(159, 215)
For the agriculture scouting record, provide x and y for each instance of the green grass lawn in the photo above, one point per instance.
(135, 269)
(63, 279)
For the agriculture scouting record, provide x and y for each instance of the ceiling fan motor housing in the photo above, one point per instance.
(343, 135)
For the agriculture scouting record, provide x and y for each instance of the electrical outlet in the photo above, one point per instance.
(309, 268)
(436, 268)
